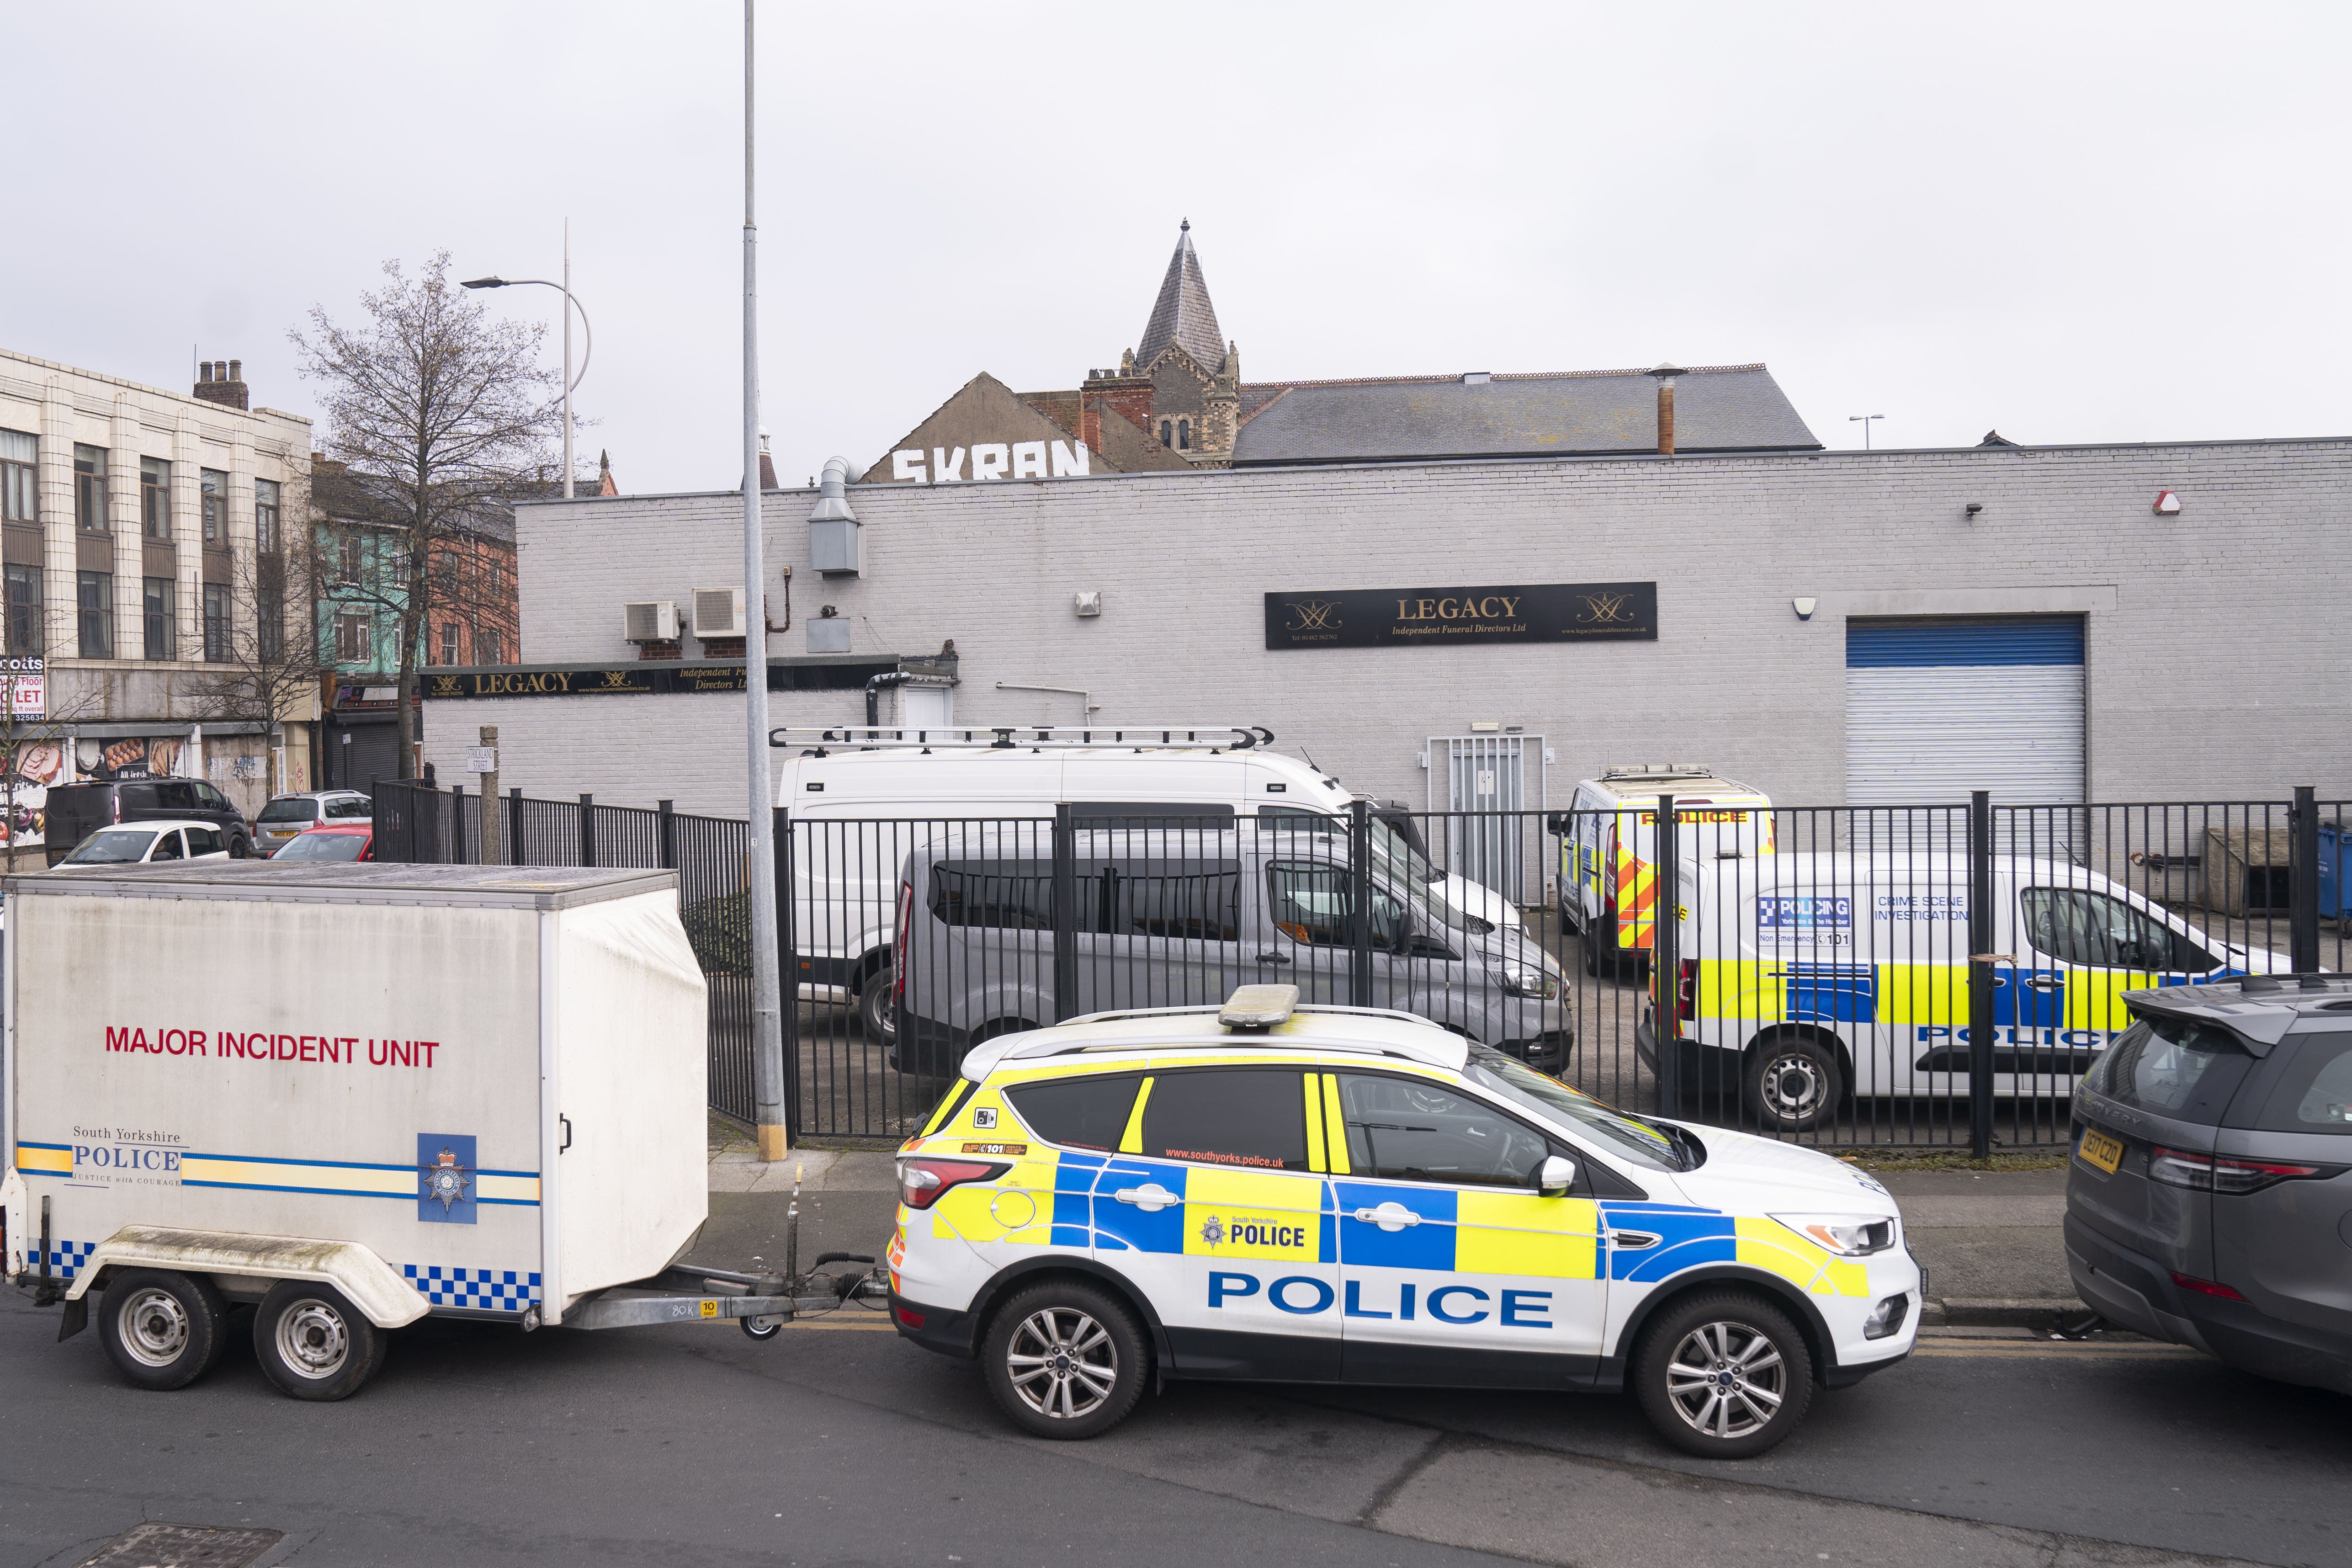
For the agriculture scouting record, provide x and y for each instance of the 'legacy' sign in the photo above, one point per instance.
(1391, 617)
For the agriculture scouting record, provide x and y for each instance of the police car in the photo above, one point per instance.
(1339, 1194)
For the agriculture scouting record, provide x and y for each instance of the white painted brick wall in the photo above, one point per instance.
(2220, 649)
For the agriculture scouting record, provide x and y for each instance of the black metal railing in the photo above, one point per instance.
(1818, 980)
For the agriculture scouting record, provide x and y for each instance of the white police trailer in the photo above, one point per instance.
(356, 1096)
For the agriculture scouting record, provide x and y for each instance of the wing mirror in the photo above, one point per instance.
(1557, 1175)
(1560, 825)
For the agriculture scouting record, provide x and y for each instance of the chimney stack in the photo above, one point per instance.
(223, 382)
(1665, 373)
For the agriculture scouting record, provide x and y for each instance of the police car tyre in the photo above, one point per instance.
(313, 1343)
(162, 1330)
(1064, 1359)
(1723, 1374)
(1793, 1082)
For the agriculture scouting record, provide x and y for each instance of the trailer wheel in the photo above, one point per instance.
(762, 1328)
(313, 1343)
(162, 1331)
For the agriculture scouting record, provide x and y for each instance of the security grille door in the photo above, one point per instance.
(1484, 773)
(1934, 708)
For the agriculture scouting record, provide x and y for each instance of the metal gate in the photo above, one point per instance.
(1484, 789)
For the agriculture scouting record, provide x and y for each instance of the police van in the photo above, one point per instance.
(1806, 978)
(1268, 1191)
(1609, 850)
(871, 796)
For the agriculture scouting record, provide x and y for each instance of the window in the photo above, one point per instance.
(351, 557)
(265, 516)
(175, 794)
(209, 798)
(156, 497)
(350, 807)
(167, 846)
(90, 489)
(1315, 904)
(1167, 433)
(216, 622)
(450, 643)
(95, 601)
(205, 841)
(391, 645)
(1199, 900)
(2173, 1068)
(269, 619)
(1401, 1130)
(1078, 1112)
(1552, 1100)
(488, 649)
(156, 593)
(212, 490)
(2313, 1093)
(20, 494)
(352, 636)
(2094, 931)
(1240, 1116)
(1184, 435)
(25, 610)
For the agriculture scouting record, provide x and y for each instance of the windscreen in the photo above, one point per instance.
(112, 847)
(287, 811)
(2173, 1067)
(323, 847)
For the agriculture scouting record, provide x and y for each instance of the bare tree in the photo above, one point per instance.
(441, 412)
(264, 663)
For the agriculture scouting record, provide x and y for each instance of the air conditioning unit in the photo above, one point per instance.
(718, 613)
(653, 621)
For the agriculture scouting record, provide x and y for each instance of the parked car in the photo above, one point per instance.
(334, 841)
(289, 814)
(147, 843)
(1170, 918)
(74, 811)
(2208, 1201)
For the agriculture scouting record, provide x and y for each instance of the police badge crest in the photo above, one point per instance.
(445, 1172)
(446, 1181)
(1212, 1232)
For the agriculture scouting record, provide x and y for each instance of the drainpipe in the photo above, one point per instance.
(873, 694)
(1664, 374)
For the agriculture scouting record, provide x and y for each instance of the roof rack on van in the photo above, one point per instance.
(1028, 737)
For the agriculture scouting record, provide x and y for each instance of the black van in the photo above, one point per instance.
(77, 811)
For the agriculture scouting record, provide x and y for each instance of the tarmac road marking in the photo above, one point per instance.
(2020, 1349)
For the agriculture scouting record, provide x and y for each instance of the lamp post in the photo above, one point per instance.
(589, 352)
(1864, 421)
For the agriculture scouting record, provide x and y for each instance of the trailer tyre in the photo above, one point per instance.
(763, 1328)
(162, 1330)
(313, 1343)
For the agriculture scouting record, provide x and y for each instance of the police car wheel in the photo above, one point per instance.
(1794, 1083)
(313, 1343)
(1724, 1375)
(162, 1331)
(1065, 1360)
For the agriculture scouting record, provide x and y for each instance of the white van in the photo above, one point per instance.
(1806, 978)
(1608, 846)
(878, 788)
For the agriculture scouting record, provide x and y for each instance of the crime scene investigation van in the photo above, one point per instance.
(1346, 1195)
(1809, 979)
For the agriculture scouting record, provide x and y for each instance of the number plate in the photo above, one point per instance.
(2098, 1149)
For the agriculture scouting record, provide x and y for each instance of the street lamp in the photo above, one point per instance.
(1864, 421)
(570, 381)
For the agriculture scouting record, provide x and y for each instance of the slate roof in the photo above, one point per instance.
(1182, 314)
(1717, 408)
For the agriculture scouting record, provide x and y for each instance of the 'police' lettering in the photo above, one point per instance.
(1278, 1294)
(1437, 1298)
(1224, 1285)
(1526, 1309)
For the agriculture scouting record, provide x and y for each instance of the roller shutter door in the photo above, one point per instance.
(1934, 708)
(374, 754)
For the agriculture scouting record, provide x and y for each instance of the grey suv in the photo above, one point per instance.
(2209, 1198)
(1179, 916)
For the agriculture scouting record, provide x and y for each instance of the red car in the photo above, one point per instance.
(331, 841)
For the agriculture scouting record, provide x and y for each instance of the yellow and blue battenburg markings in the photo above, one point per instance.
(1694, 1238)
(270, 1174)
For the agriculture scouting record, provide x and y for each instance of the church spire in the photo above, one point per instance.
(1182, 314)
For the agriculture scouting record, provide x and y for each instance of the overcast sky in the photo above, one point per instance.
(2074, 223)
